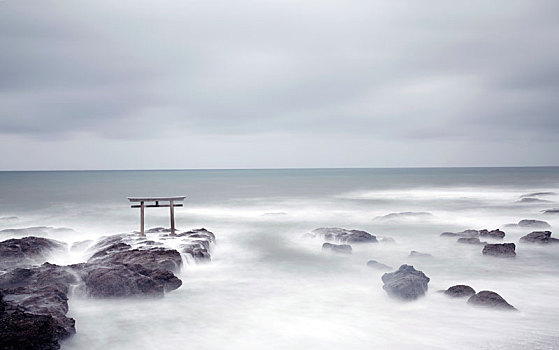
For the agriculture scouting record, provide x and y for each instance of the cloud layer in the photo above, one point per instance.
(350, 83)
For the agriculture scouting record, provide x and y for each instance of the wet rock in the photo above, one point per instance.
(495, 234)
(27, 251)
(460, 291)
(416, 254)
(197, 243)
(530, 224)
(152, 258)
(124, 280)
(541, 237)
(337, 248)
(344, 236)
(472, 240)
(20, 329)
(198, 251)
(506, 250)
(490, 299)
(406, 283)
(379, 266)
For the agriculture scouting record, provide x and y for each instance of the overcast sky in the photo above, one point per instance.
(134, 84)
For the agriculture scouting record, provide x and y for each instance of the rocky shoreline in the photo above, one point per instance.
(34, 293)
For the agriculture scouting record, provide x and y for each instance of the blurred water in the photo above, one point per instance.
(268, 287)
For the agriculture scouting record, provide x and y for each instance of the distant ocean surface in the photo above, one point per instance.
(267, 287)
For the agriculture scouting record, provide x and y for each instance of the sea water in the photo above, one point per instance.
(269, 287)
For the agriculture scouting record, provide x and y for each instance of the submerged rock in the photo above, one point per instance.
(466, 233)
(533, 200)
(197, 244)
(416, 254)
(541, 237)
(344, 236)
(460, 291)
(539, 194)
(337, 248)
(506, 250)
(491, 299)
(406, 283)
(531, 224)
(405, 215)
(551, 211)
(27, 251)
(377, 265)
(472, 240)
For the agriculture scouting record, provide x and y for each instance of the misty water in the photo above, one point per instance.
(268, 287)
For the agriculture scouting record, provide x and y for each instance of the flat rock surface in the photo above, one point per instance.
(506, 250)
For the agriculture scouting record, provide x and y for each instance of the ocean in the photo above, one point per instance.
(270, 287)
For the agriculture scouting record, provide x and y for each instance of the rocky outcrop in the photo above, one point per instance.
(495, 234)
(471, 240)
(506, 250)
(490, 299)
(344, 236)
(541, 237)
(27, 250)
(460, 291)
(36, 303)
(377, 265)
(406, 283)
(197, 244)
(337, 248)
(530, 224)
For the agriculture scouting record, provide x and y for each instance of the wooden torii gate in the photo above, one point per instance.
(145, 203)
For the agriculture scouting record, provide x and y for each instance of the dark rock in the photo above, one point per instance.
(490, 299)
(123, 280)
(20, 329)
(551, 211)
(449, 234)
(465, 233)
(416, 254)
(201, 233)
(338, 248)
(495, 234)
(198, 250)
(460, 291)
(345, 236)
(472, 240)
(379, 266)
(152, 258)
(541, 237)
(406, 283)
(506, 250)
(27, 251)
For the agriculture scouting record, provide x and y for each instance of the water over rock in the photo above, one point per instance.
(416, 254)
(541, 237)
(530, 224)
(471, 240)
(344, 236)
(490, 299)
(377, 265)
(466, 233)
(337, 248)
(27, 250)
(460, 291)
(533, 200)
(406, 283)
(405, 215)
(197, 244)
(506, 250)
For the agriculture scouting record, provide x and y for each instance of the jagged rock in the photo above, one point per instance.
(506, 250)
(123, 280)
(20, 329)
(337, 248)
(530, 224)
(27, 251)
(406, 283)
(488, 298)
(495, 234)
(197, 244)
(344, 236)
(460, 291)
(541, 237)
(472, 240)
(379, 266)
(416, 254)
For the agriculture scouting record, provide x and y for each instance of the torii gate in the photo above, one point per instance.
(144, 200)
